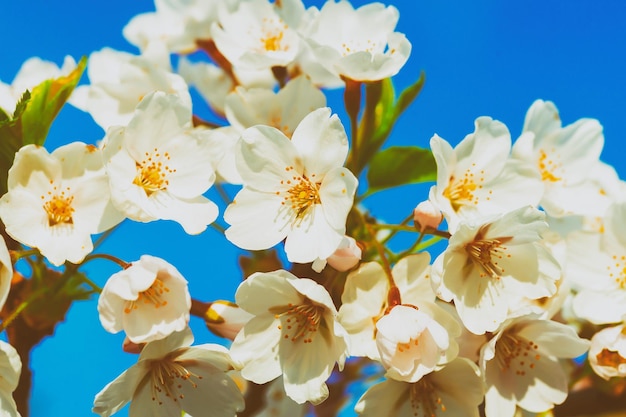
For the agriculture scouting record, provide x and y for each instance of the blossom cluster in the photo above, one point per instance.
(535, 228)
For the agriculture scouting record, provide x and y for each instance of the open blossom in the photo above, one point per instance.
(170, 377)
(477, 178)
(33, 72)
(563, 156)
(255, 36)
(455, 390)
(295, 333)
(176, 23)
(364, 300)
(293, 189)
(119, 81)
(159, 166)
(491, 263)
(57, 201)
(414, 341)
(10, 370)
(148, 300)
(357, 44)
(520, 365)
(596, 265)
(607, 354)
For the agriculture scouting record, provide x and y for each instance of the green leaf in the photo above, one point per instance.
(46, 101)
(408, 95)
(400, 165)
(33, 116)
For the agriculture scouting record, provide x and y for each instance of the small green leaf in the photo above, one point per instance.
(408, 95)
(46, 101)
(400, 165)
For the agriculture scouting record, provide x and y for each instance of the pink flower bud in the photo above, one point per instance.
(347, 255)
(225, 319)
(427, 215)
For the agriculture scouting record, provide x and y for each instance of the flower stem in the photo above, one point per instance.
(16, 255)
(123, 264)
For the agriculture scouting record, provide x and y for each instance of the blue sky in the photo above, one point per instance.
(481, 57)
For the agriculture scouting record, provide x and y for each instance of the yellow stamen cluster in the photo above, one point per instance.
(58, 206)
(423, 395)
(547, 167)
(154, 295)
(152, 172)
(486, 254)
(167, 378)
(617, 271)
(461, 191)
(515, 353)
(302, 194)
(273, 34)
(299, 322)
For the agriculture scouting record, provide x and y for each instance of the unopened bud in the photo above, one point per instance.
(131, 347)
(345, 257)
(427, 215)
(225, 319)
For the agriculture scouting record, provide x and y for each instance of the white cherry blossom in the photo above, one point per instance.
(295, 333)
(596, 266)
(562, 156)
(490, 264)
(520, 365)
(57, 201)
(10, 369)
(293, 189)
(357, 44)
(455, 390)
(365, 298)
(476, 177)
(607, 354)
(119, 81)
(255, 36)
(159, 166)
(170, 377)
(149, 300)
(414, 341)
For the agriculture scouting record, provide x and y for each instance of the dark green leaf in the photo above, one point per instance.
(400, 165)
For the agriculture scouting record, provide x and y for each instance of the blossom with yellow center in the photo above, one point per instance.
(256, 35)
(149, 300)
(295, 189)
(170, 377)
(478, 178)
(294, 332)
(455, 390)
(159, 166)
(521, 368)
(566, 158)
(494, 262)
(596, 266)
(57, 201)
(363, 47)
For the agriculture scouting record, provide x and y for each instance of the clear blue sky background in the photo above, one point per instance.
(481, 58)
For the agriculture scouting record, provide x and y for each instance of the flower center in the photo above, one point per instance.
(272, 35)
(461, 191)
(152, 172)
(486, 253)
(299, 323)
(154, 295)
(617, 271)
(610, 358)
(59, 207)
(423, 394)
(302, 194)
(547, 167)
(514, 353)
(167, 377)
